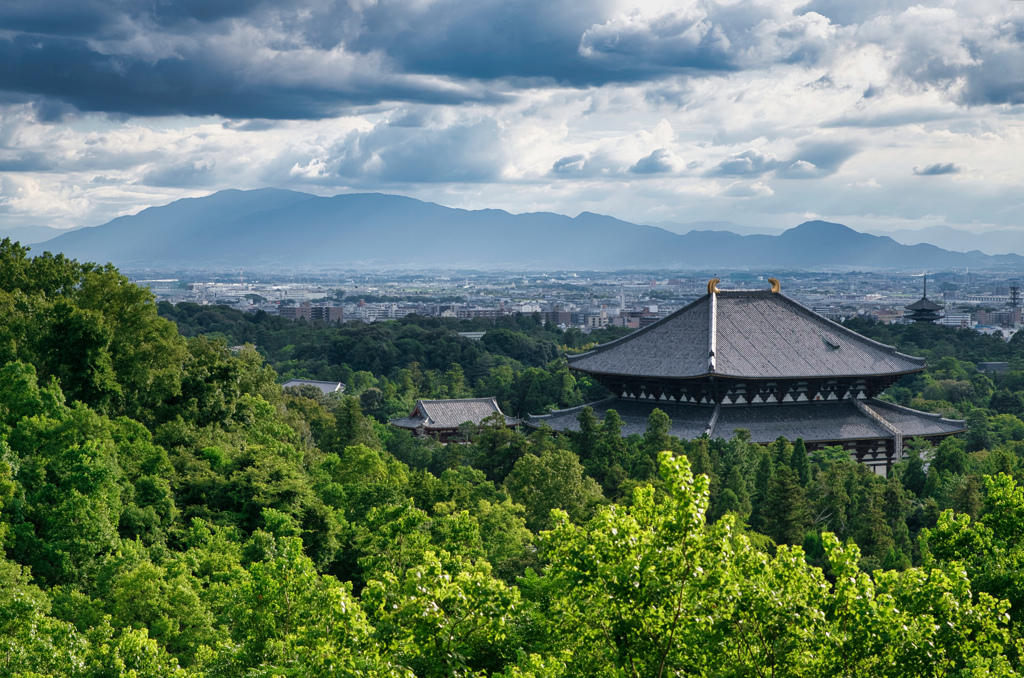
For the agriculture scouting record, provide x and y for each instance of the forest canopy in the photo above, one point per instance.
(166, 508)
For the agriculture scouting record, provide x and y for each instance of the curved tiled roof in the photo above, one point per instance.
(914, 422)
(814, 422)
(687, 422)
(450, 414)
(924, 304)
(745, 334)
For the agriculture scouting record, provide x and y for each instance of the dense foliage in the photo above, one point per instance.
(166, 509)
(518, 360)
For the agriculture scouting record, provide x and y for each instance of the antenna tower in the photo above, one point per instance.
(1015, 294)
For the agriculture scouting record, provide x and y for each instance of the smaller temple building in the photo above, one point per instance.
(441, 419)
(327, 387)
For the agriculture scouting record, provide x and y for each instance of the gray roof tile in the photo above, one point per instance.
(325, 386)
(758, 335)
(814, 422)
(449, 414)
(687, 422)
(914, 422)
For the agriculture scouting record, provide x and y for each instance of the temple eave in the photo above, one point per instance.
(867, 427)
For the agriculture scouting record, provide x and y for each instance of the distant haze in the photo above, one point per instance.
(286, 229)
(717, 226)
(29, 235)
(1001, 241)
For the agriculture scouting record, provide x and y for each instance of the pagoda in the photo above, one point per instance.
(759, 361)
(924, 310)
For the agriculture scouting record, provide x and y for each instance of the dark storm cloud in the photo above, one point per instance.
(486, 39)
(749, 162)
(978, 59)
(25, 162)
(658, 162)
(937, 168)
(68, 70)
(396, 154)
(894, 118)
(182, 175)
(997, 76)
(570, 164)
(814, 160)
(110, 18)
(249, 59)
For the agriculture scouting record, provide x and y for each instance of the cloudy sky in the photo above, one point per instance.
(880, 114)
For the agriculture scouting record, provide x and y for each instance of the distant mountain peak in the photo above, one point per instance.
(819, 226)
(278, 229)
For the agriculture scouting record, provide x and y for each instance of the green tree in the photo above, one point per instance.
(553, 480)
(70, 485)
(871, 530)
(914, 476)
(290, 620)
(652, 590)
(977, 437)
(800, 463)
(585, 441)
(785, 513)
(438, 620)
(634, 585)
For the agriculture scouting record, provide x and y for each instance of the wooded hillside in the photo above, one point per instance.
(166, 509)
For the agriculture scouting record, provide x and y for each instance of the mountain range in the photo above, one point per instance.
(997, 241)
(738, 229)
(278, 229)
(30, 235)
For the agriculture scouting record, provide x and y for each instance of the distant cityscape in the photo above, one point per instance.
(986, 302)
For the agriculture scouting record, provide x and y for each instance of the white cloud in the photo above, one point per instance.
(751, 111)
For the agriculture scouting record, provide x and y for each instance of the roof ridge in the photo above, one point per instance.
(930, 415)
(578, 408)
(712, 331)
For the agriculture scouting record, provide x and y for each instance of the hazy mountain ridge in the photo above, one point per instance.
(995, 241)
(271, 227)
(739, 229)
(31, 235)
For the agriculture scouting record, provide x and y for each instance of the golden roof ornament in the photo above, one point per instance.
(776, 285)
(713, 286)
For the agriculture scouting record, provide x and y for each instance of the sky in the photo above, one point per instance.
(879, 114)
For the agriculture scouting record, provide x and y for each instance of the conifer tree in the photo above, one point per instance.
(732, 498)
(871, 530)
(977, 437)
(352, 427)
(914, 476)
(762, 481)
(897, 508)
(799, 462)
(656, 437)
(699, 457)
(966, 497)
(611, 452)
(611, 437)
(784, 513)
(781, 451)
(585, 441)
